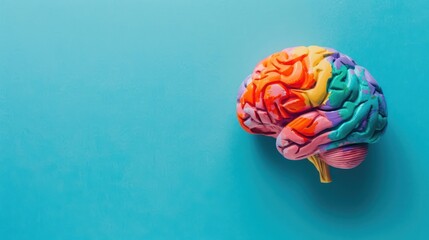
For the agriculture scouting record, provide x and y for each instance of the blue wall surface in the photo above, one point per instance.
(117, 121)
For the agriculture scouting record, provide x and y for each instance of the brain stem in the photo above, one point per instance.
(322, 167)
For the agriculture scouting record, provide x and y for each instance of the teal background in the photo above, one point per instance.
(117, 121)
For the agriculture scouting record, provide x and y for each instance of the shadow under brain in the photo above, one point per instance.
(353, 193)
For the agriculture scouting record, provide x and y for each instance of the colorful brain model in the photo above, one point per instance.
(318, 103)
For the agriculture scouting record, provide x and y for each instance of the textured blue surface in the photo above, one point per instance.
(117, 121)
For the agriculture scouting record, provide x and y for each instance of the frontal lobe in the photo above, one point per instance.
(333, 108)
(281, 88)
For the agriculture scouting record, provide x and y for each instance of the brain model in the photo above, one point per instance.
(318, 103)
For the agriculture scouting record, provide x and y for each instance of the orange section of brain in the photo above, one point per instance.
(275, 91)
